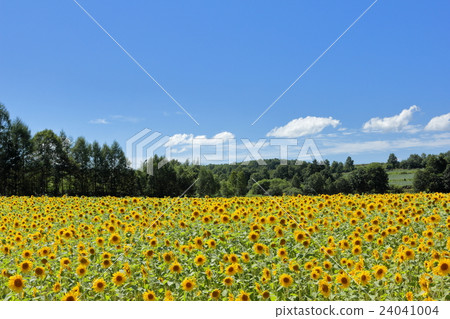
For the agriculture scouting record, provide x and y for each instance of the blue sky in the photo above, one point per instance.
(374, 92)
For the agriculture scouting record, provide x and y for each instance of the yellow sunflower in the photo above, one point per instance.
(99, 285)
(70, 296)
(344, 280)
(325, 288)
(286, 280)
(149, 296)
(16, 283)
(119, 278)
(188, 284)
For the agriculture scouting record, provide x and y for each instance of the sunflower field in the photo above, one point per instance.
(340, 247)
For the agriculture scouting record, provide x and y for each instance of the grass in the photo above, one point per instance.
(401, 177)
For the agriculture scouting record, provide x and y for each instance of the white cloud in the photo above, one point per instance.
(396, 123)
(180, 139)
(184, 139)
(99, 121)
(384, 146)
(224, 135)
(439, 123)
(303, 126)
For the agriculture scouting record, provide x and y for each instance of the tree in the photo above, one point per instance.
(377, 178)
(238, 183)
(349, 165)
(20, 155)
(5, 124)
(81, 153)
(206, 185)
(315, 184)
(47, 148)
(358, 180)
(392, 162)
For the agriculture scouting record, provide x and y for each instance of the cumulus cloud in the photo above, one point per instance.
(184, 139)
(303, 126)
(439, 123)
(357, 147)
(396, 123)
(224, 135)
(180, 139)
(99, 121)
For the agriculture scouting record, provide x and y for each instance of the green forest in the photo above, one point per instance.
(48, 163)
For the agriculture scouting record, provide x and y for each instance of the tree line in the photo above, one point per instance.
(51, 164)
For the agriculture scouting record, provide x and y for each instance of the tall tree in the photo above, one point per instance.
(392, 162)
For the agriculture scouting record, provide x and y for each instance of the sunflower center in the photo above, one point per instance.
(286, 279)
(344, 280)
(444, 266)
(18, 283)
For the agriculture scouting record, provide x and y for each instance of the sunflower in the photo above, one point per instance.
(200, 260)
(259, 248)
(208, 273)
(188, 284)
(81, 270)
(106, 263)
(39, 272)
(231, 270)
(356, 250)
(286, 280)
(168, 296)
(294, 266)
(175, 268)
(70, 296)
(84, 261)
(253, 236)
(245, 257)
(282, 253)
(115, 239)
(198, 241)
(228, 281)
(57, 287)
(99, 285)
(215, 294)
(398, 278)
(149, 253)
(118, 278)
(65, 262)
(379, 271)
(5, 273)
(149, 296)
(243, 296)
(26, 266)
(212, 243)
(409, 296)
(327, 265)
(443, 268)
(233, 258)
(265, 294)
(168, 258)
(325, 288)
(27, 254)
(408, 254)
(16, 283)
(300, 236)
(344, 280)
(364, 277)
